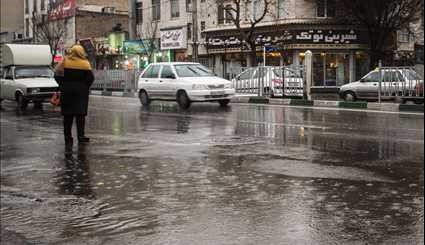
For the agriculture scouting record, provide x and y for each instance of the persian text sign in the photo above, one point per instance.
(63, 10)
(173, 39)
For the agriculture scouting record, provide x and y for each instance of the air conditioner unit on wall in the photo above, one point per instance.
(108, 10)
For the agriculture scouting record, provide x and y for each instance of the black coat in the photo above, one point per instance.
(74, 87)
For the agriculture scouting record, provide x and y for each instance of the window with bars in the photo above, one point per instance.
(139, 13)
(34, 8)
(228, 14)
(281, 8)
(27, 27)
(175, 8)
(326, 8)
(189, 31)
(156, 10)
(202, 29)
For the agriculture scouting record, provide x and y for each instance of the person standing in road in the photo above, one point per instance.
(74, 76)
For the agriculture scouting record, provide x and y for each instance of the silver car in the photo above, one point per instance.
(248, 81)
(395, 82)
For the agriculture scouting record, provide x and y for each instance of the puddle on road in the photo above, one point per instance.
(312, 170)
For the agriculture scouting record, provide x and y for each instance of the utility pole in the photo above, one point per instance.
(194, 31)
(132, 19)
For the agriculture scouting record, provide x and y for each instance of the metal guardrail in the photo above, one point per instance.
(270, 81)
(115, 80)
(400, 82)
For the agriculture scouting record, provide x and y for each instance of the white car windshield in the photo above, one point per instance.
(26, 72)
(193, 70)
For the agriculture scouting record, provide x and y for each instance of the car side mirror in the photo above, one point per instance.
(362, 80)
(171, 76)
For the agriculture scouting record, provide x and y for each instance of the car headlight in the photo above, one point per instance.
(227, 85)
(199, 87)
(33, 90)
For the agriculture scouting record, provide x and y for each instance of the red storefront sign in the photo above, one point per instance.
(63, 10)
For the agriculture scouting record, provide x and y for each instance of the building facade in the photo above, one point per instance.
(11, 16)
(290, 29)
(97, 23)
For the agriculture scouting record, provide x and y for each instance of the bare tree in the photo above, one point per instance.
(383, 18)
(245, 15)
(148, 37)
(48, 32)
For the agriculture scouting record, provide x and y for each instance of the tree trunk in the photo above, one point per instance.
(253, 55)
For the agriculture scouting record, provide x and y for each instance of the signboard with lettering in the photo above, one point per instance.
(314, 36)
(173, 39)
(63, 10)
(90, 50)
(144, 46)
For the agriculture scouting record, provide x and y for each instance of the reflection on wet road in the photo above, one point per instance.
(247, 174)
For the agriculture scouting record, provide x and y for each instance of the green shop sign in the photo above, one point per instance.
(144, 46)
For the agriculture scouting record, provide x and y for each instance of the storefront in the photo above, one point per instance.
(339, 54)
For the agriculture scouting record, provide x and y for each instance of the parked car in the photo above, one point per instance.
(184, 83)
(396, 82)
(248, 81)
(27, 75)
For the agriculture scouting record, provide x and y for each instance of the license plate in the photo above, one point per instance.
(217, 92)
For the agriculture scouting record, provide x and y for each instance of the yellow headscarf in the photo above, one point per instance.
(77, 59)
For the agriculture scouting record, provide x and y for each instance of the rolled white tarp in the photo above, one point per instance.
(25, 54)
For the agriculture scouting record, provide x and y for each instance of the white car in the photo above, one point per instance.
(248, 81)
(25, 84)
(184, 83)
(405, 83)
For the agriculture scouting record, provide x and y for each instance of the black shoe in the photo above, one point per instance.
(83, 139)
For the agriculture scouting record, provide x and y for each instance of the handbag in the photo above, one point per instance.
(56, 99)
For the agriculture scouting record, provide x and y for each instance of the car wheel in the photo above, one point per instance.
(183, 100)
(21, 101)
(224, 103)
(350, 96)
(144, 98)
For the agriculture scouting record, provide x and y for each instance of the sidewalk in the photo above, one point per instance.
(248, 98)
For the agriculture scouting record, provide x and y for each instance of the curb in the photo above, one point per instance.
(392, 107)
(353, 105)
(412, 108)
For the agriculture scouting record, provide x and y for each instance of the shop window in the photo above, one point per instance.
(175, 8)
(331, 70)
(325, 8)
(362, 64)
(139, 12)
(318, 69)
(156, 10)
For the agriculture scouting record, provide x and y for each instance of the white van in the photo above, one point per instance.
(27, 75)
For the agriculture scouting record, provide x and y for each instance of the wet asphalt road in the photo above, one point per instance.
(247, 174)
